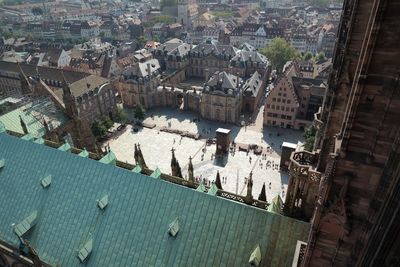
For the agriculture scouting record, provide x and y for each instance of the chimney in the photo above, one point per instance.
(88, 85)
(237, 80)
(207, 74)
(149, 69)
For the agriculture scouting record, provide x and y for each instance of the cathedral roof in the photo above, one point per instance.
(75, 209)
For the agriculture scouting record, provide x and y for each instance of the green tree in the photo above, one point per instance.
(98, 129)
(308, 56)
(121, 116)
(309, 136)
(320, 56)
(142, 41)
(107, 122)
(279, 52)
(139, 112)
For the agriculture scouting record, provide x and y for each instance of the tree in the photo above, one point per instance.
(263, 195)
(142, 41)
(308, 56)
(320, 56)
(139, 112)
(309, 136)
(218, 181)
(121, 116)
(98, 129)
(279, 52)
(107, 122)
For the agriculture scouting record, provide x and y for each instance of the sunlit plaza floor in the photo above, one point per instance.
(156, 147)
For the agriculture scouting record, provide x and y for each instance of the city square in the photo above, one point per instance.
(234, 168)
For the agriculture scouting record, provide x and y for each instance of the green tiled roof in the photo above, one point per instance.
(156, 173)
(39, 141)
(2, 127)
(137, 169)
(27, 137)
(42, 109)
(276, 205)
(201, 187)
(133, 229)
(213, 190)
(65, 147)
(84, 153)
(12, 122)
(110, 158)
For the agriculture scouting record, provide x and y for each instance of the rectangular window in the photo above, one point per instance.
(268, 105)
(273, 122)
(288, 101)
(292, 109)
(279, 100)
(279, 94)
(283, 100)
(273, 99)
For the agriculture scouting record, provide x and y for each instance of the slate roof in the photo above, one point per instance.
(170, 45)
(132, 229)
(45, 73)
(253, 85)
(245, 56)
(211, 47)
(223, 82)
(86, 84)
(139, 70)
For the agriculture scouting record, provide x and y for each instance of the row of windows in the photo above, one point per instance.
(279, 100)
(282, 116)
(283, 108)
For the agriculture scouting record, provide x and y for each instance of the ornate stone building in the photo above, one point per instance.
(221, 98)
(152, 84)
(137, 82)
(356, 208)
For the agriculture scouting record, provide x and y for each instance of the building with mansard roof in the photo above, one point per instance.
(221, 99)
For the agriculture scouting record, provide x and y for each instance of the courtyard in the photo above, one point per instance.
(234, 168)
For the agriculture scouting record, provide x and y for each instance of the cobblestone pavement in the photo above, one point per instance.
(156, 147)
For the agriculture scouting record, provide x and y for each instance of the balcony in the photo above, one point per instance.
(302, 164)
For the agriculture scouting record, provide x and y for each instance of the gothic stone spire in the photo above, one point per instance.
(190, 170)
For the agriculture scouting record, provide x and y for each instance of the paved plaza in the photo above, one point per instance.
(156, 147)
